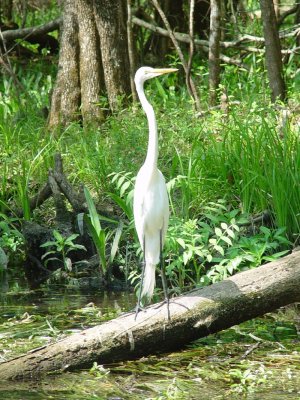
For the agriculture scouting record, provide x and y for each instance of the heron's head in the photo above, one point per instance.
(145, 73)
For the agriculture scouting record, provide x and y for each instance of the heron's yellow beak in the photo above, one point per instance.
(161, 71)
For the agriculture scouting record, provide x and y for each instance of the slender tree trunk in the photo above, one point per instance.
(191, 85)
(192, 46)
(214, 50)
(273, 51)
(131, 51)
(297, 21)
(90, 63)
(196, 314)
(65, 100)
(111, 26)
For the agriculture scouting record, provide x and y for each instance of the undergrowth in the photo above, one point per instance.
(246, 158)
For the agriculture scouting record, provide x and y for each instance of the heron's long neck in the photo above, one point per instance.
(152, 152)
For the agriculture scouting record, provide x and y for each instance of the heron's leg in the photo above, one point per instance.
(163, 274)
(138, 306)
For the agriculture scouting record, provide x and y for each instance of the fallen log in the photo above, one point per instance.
(196, 314)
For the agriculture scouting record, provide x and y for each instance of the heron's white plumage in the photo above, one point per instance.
(150, 205)
(151, 215)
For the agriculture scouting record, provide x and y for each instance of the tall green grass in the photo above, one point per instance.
(264, 164)
(240, 158)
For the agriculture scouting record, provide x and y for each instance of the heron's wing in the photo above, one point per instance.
(151, 207)
(165, 205)
(138, 206)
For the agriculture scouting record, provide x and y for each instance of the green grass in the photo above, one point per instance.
(242, 158)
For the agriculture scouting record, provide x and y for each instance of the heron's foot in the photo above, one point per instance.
(137, 309)
(165, 301)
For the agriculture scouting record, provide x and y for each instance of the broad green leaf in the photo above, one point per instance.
(218, 232)
(122, 204)
(227, 240)
(68, 264)
(235, 227)
(265, 230)
(99, 241)
(92, 211)
(115, 245)
(124, 187)
(47, 254)
(57, 235)
(72, 237)
(186, 258)
(120, 181)
(219, 249)
(209, 258)
(181, 242)
(230, 233)
(48, 244)
(199, 253)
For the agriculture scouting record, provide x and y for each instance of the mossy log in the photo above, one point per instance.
(194, 315)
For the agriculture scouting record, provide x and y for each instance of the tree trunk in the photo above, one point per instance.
(6, 8)
(297, 21)
(214, 50)
(111, 24)
(273, 51)
(194, 315)
(90, 63)
(93, 59)
(65, 100)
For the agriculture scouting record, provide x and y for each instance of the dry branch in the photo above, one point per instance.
(238, 43)
(194, 315)
(56, 186)
(191, 85)
(184, 38)
(27, 32)
(285, 14)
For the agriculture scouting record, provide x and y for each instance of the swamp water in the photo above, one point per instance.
(259, 359)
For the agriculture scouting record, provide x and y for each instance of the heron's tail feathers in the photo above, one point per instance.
(148, 282)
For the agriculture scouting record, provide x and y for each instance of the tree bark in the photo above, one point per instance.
(93, 59)
(131, 51)
(111, 24)
(90, 63)
(194, 315)
(214, 50)
(297, 21)
(65, 100)
(273, 51)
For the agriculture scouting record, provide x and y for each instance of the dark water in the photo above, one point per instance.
(214, 368)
